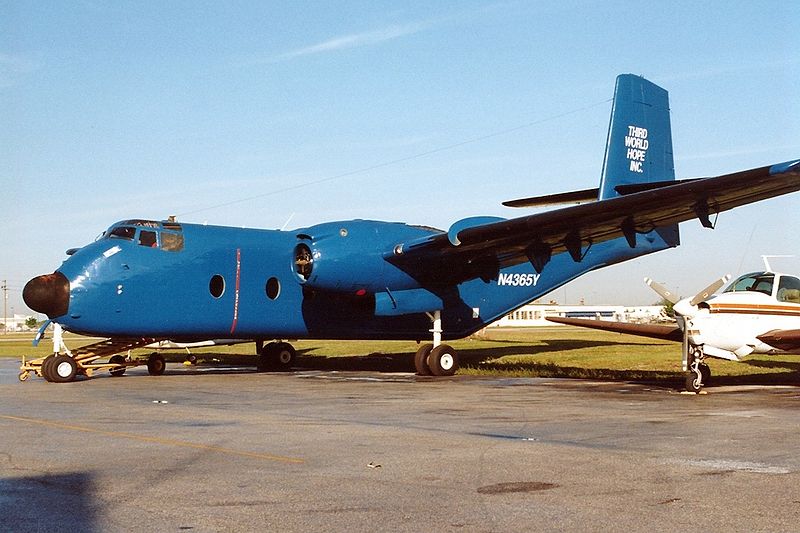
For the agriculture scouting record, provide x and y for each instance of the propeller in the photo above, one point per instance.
(662, 291)
(708, 291)
(687, 307)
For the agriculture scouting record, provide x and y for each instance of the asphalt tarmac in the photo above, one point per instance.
(236, 450)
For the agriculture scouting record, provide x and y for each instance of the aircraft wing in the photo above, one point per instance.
(479, 249)
(783, 339)
(653, 331)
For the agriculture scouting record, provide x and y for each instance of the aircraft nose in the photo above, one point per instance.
(48, 294)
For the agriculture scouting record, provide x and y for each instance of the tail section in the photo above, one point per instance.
(639, 145)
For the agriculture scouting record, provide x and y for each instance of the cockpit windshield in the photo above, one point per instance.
(755, 282)
(149, 234)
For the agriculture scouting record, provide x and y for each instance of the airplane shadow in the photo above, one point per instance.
(485, 358)
(70, 503)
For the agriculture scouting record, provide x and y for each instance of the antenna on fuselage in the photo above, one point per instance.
(766, 259)
(287, 222)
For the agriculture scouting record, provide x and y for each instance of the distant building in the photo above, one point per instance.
(15, 323)
(533, 315)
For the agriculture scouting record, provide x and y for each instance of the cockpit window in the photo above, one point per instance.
(122, 232)
(789, 290)
(758, 282)
(148, 238)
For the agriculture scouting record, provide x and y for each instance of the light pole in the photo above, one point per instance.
(5, 306)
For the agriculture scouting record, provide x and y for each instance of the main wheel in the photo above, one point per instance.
(284, 356)
(443, 361)
(117, 360)
(46, 367)
(156, 364)
(63, 369)
(421, 360)
(276, 356)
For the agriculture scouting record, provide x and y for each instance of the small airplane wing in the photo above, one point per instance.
(783, 339)
(480, 248)
(653, 331)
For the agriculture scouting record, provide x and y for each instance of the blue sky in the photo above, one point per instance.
(258, 113)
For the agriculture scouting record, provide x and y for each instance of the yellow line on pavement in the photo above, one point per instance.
(156, 440)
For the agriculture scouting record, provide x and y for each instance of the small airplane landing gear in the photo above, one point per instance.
(436, 359)
(699, 371)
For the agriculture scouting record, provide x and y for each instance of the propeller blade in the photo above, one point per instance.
(662, 291)
(708, 291)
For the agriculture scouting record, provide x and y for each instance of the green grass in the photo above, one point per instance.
(534, 352)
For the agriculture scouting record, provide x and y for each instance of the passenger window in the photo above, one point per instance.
(148, 239)
(172, 242)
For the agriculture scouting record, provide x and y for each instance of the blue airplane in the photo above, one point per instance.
(147, 280)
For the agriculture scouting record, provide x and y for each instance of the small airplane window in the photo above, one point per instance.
(172, 242)
(148, 238)
(273, 288)
(216, 286)
(122, 232)
(789, 290)
(763, 284)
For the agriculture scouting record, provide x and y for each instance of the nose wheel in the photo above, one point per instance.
(699, 372)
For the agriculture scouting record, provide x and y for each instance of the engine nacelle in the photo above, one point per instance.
(349, 256)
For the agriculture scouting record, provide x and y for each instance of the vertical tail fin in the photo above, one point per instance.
(639, 145)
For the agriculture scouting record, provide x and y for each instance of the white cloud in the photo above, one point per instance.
(348, 41)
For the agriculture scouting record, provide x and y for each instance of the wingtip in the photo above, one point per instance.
(788, 166)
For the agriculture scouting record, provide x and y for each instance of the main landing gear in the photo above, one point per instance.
(699, 372)
(436, 359)
(278, 356)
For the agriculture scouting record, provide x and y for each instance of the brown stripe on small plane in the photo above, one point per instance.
(756, 309)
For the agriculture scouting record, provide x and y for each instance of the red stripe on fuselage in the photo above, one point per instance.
(236, 290)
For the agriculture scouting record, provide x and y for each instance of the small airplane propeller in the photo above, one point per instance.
(662, 291)
(708, 291)
(687, 307)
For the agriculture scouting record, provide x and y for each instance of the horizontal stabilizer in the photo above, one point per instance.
(587, 195)
(653, 331)
(572, 197)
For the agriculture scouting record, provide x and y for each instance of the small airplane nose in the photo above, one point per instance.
(48, 294)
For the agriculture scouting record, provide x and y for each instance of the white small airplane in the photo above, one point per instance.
(759, 313)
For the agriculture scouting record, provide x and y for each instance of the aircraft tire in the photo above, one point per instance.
(63, 369)
(156, 364)
(276, 356)
(693, 384)
(284, 356)
(421, 360)
(117, 359)
(443, 360)
(46, 367)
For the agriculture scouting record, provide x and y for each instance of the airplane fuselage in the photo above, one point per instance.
(728, 325)
(333, 280)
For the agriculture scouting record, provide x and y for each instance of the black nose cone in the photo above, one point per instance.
(48, 294)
